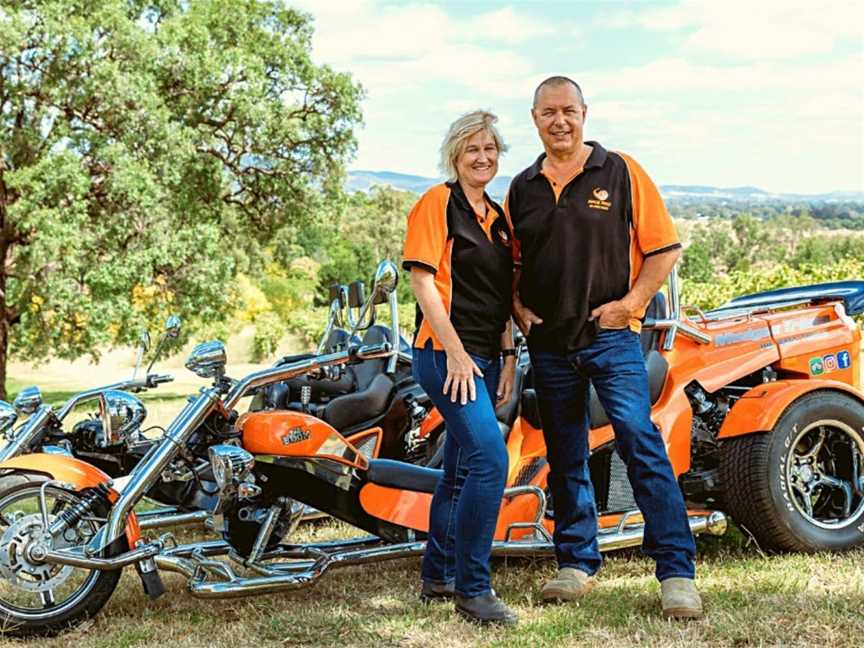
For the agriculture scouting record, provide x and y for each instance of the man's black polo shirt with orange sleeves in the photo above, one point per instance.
(582, 244)
(471, 258)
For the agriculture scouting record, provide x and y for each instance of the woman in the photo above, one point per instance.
(457, 248)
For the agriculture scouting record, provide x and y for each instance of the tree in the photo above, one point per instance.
(148, 151)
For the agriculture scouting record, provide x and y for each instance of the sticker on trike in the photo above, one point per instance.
(830, 362)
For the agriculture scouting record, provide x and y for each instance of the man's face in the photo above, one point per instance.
(559, 116)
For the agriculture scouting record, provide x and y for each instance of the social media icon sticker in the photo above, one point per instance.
(844, 360)
(816, 367)
(829, 363)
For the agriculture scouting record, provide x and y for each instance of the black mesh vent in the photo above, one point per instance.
(529, 471)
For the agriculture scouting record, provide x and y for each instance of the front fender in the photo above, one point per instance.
(72, 473)
(760, 408)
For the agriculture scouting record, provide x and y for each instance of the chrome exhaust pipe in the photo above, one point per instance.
(277, 582)
(172, 519)
(79, 559)
(288, 576)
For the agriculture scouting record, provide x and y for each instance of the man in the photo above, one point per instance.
(595, 243)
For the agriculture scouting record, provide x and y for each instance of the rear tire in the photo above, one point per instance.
(777, 494)
(92, 597)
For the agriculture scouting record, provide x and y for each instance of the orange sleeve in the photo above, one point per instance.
(426, 235)
(655, 231)
(515, 248)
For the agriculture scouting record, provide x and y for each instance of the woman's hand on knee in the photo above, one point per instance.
(461, 370)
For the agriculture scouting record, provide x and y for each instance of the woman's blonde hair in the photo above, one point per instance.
(461, 131)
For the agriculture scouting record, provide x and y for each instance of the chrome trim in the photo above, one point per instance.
(284, 372)
(192, 560)
(28, 400)
(150, 468)
(26, 434)
(78, 558)
(123, 385)
(172, 519)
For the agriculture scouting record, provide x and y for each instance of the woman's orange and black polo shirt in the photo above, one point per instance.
(582, 244)
(471, 259)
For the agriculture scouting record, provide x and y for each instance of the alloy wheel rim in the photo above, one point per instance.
(824, 474)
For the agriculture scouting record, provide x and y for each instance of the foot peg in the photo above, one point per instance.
(151, 581)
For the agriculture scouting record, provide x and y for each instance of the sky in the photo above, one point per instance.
(765, 94)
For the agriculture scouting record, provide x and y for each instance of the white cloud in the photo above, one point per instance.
(391, 49)
(507, 26)
(754, 30)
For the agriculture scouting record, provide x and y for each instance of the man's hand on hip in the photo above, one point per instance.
(525, 317)
(613, 315)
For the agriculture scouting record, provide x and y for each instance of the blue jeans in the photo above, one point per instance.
(465, 505)
(615, 365)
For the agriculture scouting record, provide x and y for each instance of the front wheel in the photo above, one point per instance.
(800, 487)
(40, 598)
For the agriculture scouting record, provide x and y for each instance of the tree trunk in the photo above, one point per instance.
(4, 343)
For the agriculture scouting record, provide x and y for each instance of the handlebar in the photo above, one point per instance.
(679, 326)
(157, 379)
(284, 372)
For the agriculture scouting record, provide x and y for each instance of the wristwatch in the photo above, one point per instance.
(508, 352)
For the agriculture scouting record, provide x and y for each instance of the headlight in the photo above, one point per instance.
(230, 464)
(207, 360)
(121, 415)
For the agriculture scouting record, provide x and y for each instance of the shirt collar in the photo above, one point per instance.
(462, 199)
(596, 159)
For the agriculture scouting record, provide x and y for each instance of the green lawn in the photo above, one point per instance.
(750, 600)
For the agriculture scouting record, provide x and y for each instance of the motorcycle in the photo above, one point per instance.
(43, 431)
(745, 375)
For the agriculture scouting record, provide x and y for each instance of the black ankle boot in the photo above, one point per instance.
(431, 591)
(486, 608)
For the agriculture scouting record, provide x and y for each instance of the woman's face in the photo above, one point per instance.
(477, 164)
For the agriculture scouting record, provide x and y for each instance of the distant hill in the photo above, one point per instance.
(365, 180)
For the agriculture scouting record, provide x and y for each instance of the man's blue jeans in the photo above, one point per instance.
(616, 367)
(465, 505)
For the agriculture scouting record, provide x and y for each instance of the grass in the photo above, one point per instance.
(750, 599)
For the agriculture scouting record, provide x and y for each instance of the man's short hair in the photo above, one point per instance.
(557, 81)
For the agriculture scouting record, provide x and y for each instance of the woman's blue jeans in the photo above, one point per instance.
(466, 502)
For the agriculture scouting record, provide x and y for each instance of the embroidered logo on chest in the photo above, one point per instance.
(600, 200)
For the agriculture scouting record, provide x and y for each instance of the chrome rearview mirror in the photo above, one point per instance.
(121, 415)
(8, 416)
(207, 360)
(28, 400)
(172, 330)
(143, 347)
(385, 281)
(172, 326)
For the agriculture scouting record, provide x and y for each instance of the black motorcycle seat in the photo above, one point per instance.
(346, 411)
(397, 474)
(367, 370)
(657, 369)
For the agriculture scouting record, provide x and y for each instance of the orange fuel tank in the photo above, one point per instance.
(296, 434)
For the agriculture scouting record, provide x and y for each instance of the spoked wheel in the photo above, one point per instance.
(800, 487)
(38, 598)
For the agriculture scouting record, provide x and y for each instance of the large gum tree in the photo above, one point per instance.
(149, 150)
